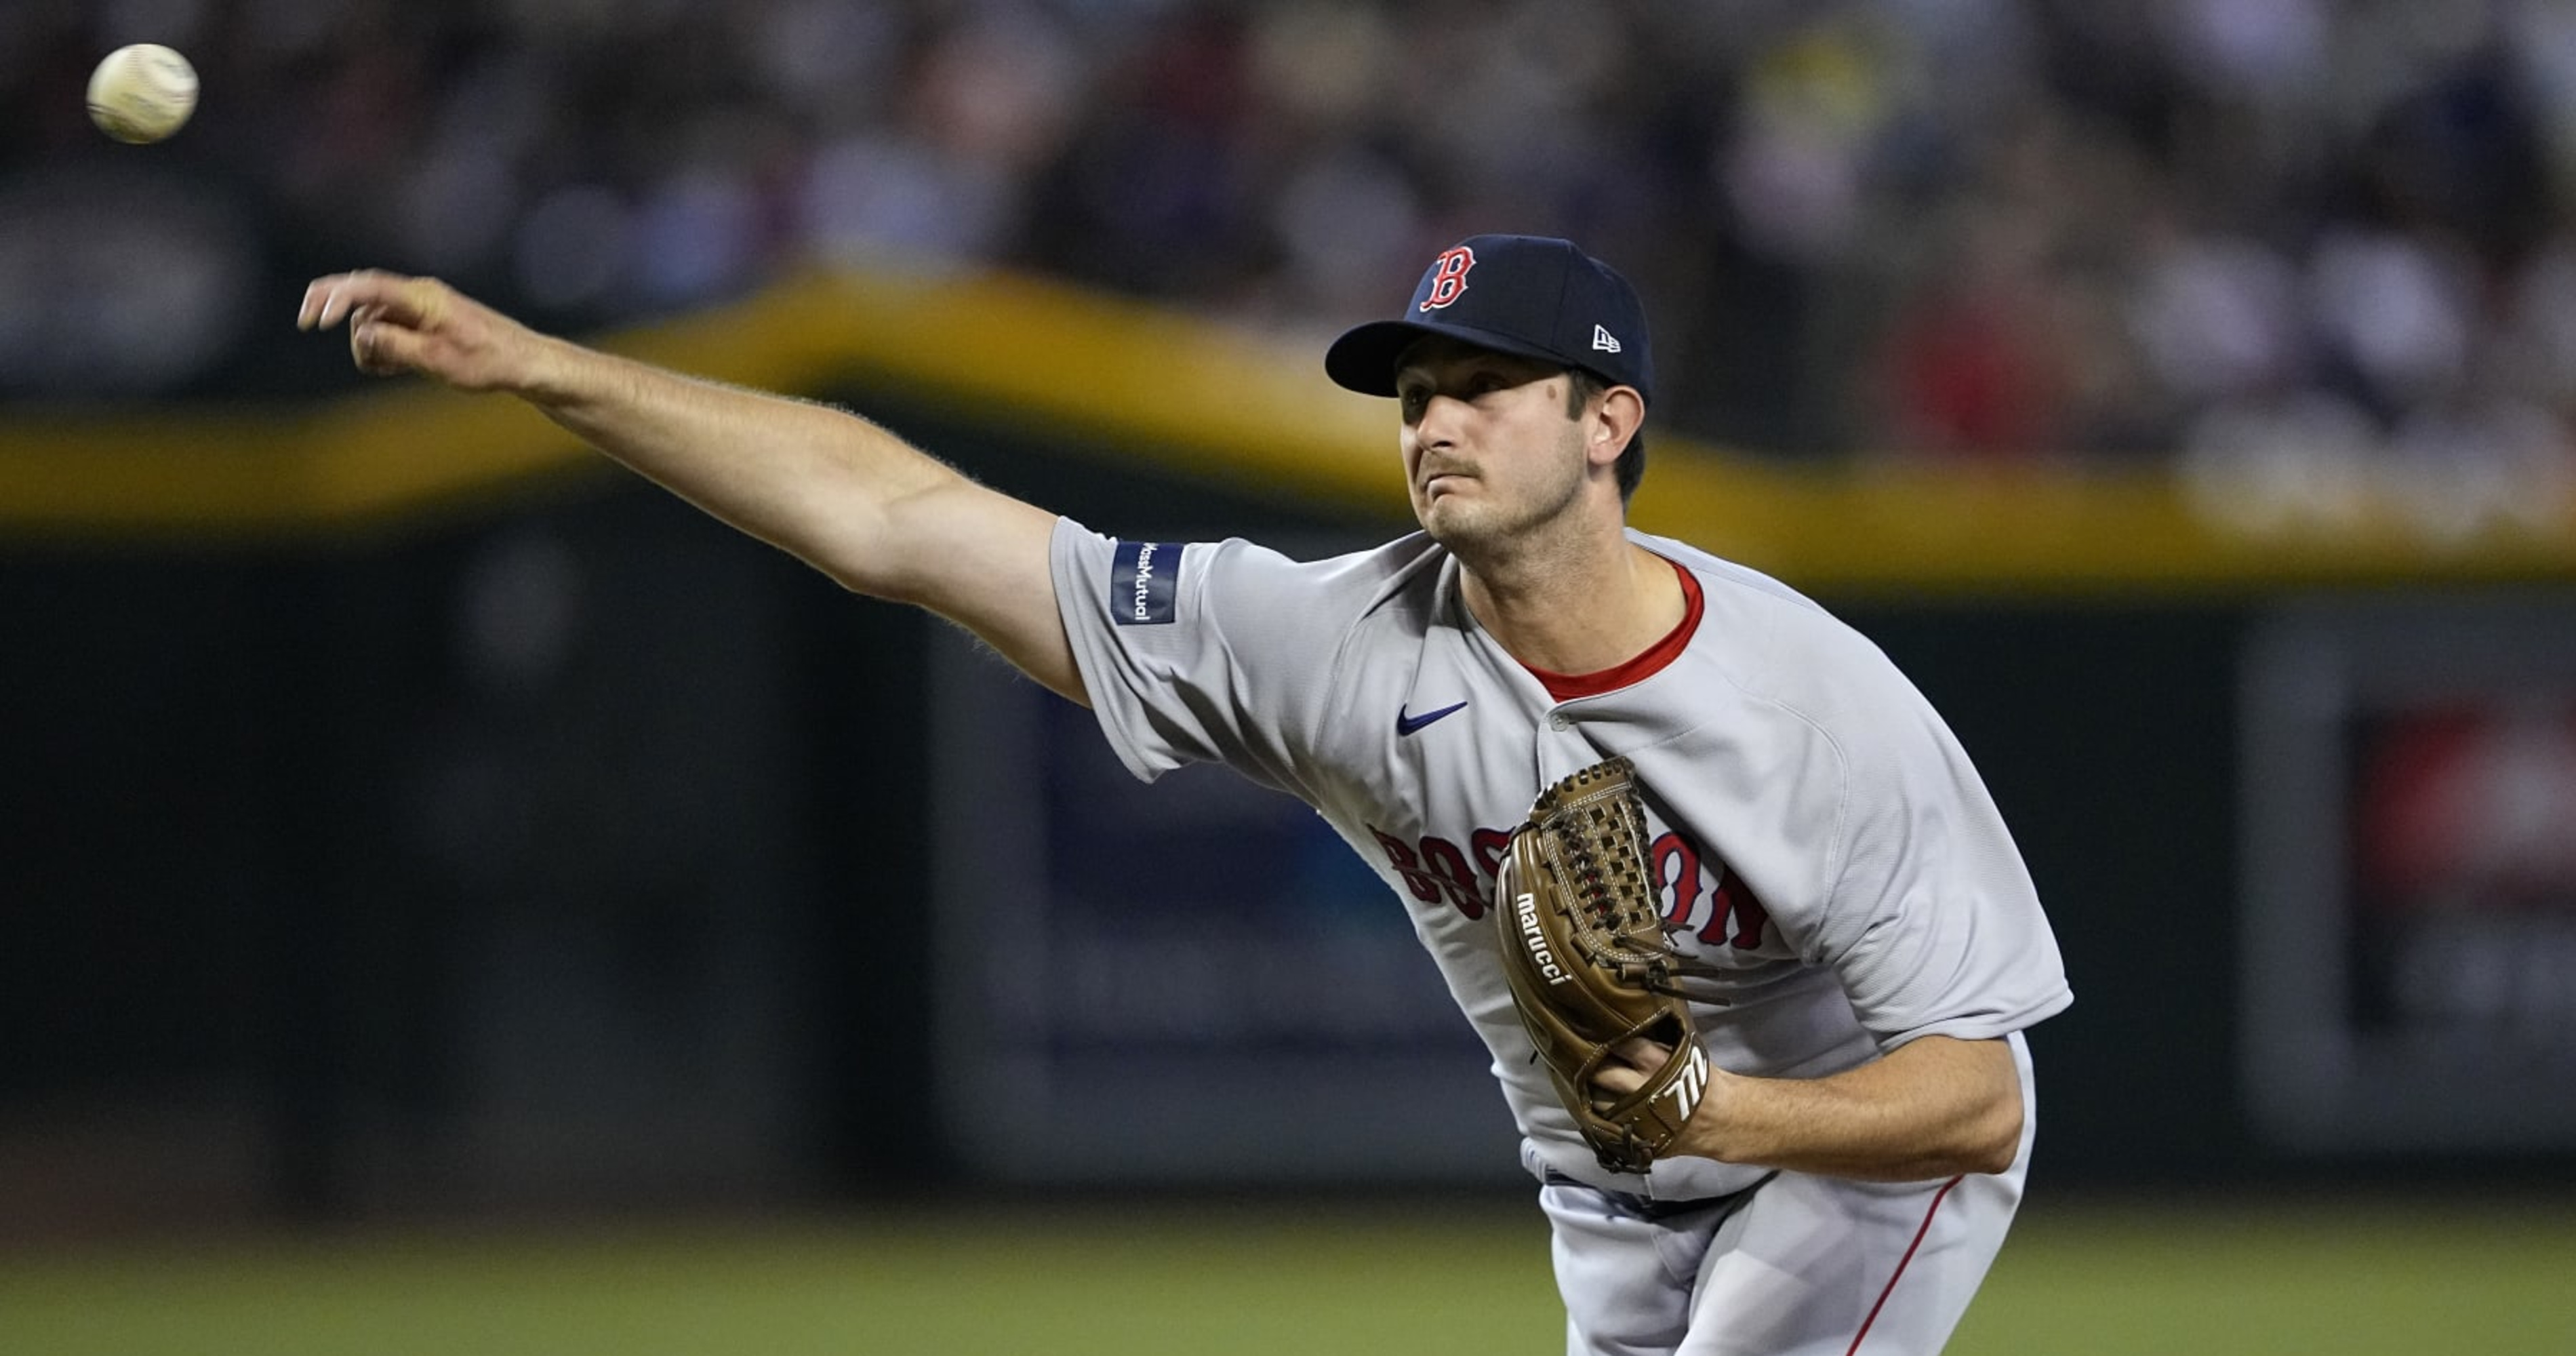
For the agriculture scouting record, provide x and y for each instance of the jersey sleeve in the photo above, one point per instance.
(1930, 917)
(1200, 651)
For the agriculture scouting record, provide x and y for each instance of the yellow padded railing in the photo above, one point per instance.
(1196, 399)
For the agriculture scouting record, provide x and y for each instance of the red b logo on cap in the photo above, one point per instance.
(1448, 277)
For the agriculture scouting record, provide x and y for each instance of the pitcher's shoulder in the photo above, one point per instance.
(1776, 642)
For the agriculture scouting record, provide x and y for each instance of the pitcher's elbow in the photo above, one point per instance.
(1997, 1145)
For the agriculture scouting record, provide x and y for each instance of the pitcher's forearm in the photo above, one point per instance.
(809, 478)
(1934, 1108)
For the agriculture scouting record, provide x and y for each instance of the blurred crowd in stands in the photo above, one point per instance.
(2293, 232)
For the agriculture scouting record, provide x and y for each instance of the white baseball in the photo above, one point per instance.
(142, 93)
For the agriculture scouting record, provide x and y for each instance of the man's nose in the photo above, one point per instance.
(1438, 424)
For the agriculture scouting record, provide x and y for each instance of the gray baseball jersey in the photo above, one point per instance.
(1818, 831)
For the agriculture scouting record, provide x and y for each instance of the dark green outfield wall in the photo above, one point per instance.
(349, 853)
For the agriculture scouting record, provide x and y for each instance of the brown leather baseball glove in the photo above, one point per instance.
(1584, 947)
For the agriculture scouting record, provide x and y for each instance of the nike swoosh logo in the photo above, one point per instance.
(1405, 725)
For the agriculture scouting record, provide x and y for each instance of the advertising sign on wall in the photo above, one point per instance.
(2409, 964)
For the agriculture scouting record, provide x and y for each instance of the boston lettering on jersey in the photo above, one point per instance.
(1144, 583)
(1438, 870)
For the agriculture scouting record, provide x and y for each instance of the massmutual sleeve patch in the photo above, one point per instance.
(1144, 583)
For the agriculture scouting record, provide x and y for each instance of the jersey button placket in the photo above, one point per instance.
(1556, 744)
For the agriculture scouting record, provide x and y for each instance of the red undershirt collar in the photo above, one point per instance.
(1565, 687)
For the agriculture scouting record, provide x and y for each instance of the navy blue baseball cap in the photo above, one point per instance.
(1524, 294)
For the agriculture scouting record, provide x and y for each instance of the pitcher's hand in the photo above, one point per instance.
(404, 324)
(1615, 1079)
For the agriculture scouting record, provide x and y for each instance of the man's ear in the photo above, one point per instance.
(1612, 423)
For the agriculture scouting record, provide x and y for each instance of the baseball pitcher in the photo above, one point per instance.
(1746, 936)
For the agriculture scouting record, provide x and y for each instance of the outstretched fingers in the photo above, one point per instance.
(328, 301)
(421, 303)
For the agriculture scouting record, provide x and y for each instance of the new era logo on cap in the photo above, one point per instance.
(1528, 295)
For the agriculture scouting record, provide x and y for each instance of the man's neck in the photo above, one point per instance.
(1593, 605)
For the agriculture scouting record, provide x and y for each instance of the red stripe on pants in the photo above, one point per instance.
(1901, 1263)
